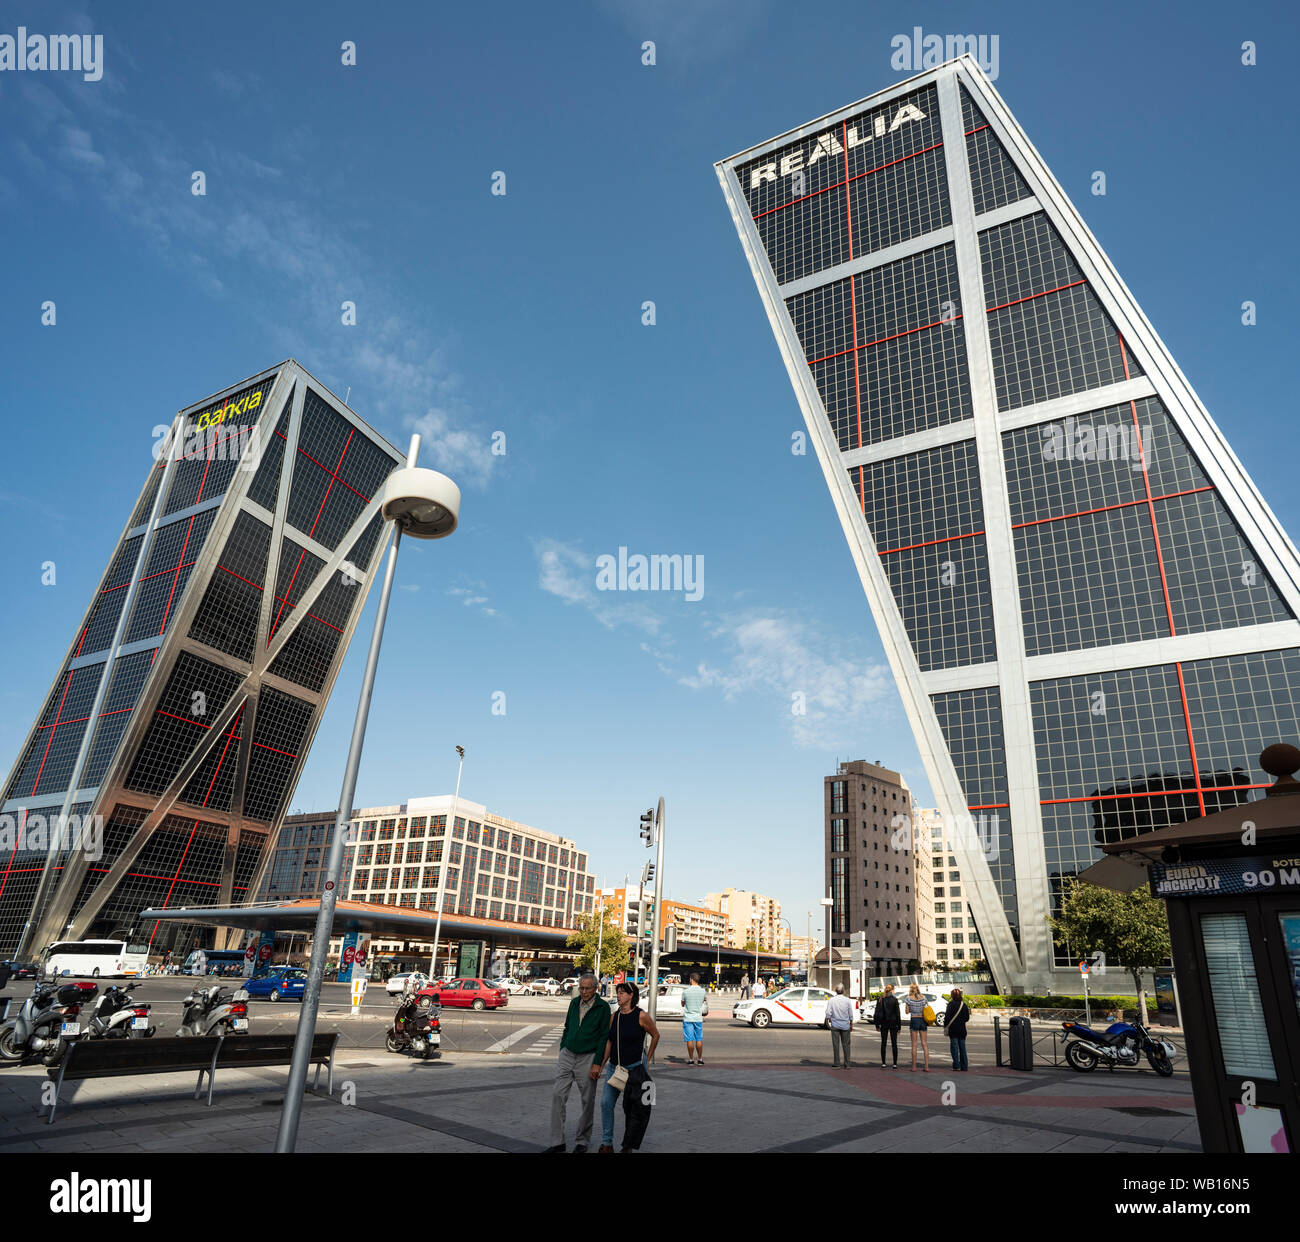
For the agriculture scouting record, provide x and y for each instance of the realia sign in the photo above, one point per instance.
(832, 142)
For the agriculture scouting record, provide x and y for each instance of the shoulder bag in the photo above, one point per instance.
(618, 1079)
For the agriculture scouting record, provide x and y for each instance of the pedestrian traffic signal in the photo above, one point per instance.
(648, 829)
(670, 938)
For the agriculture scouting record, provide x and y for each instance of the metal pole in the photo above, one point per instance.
(653, 982)
(446, 862)
(287, 1135)
(830, 960)
(600, 935)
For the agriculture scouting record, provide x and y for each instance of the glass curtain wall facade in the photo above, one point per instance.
(1089, 609)
(183, 710)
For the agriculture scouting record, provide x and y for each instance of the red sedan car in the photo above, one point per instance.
(467, 994)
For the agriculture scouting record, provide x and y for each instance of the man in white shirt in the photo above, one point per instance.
(839, 1015)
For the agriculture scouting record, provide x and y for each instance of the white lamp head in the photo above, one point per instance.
(424, 503)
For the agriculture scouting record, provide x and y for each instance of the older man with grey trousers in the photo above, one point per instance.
(586, 1030)
(839, 1016)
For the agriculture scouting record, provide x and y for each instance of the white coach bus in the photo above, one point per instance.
(94, 959)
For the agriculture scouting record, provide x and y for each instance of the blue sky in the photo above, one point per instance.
(522, 314)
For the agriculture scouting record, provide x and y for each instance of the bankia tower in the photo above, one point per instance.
(179, 720)
(1088, 607)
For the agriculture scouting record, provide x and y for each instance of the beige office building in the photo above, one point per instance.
(746, 911)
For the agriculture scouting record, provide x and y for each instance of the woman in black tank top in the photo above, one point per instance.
(625, 1046)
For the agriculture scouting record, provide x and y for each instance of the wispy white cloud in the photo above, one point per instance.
(400, 371)
(472, 597)
(568, 572)
(826, 693)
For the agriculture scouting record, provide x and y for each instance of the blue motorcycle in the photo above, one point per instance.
(1121, 1044)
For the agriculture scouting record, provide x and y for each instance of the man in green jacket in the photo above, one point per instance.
(586, 1029)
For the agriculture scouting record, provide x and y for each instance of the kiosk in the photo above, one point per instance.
(1231, 884)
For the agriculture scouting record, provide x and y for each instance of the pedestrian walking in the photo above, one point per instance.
(954, 1023)
(624, 1053)
(695, 1004)
(887, 1019)
(915, 1006)
(744, 986)
(586, 1028)
(839, 1015)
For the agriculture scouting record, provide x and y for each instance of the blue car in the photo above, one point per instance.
(277, 983)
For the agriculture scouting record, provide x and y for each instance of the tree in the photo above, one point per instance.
(1129, 930)
(613, 945)
(749, 946)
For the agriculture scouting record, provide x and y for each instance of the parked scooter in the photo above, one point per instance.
(1121, 1045)
(48, 1020)
(116, 1014)
(214, 1011)
(416, 1027)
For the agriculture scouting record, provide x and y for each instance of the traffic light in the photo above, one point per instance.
(648, 873)
(648, 829)
(670, 938)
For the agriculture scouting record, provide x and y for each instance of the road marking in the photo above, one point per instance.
(543, 1046)
(502, 1044)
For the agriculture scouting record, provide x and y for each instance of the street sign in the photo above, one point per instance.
(358, 994)
(858, 955)
(1083, 969)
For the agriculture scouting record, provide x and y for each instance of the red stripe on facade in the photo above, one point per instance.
(881, 340)
(931, 542)
(185, 543)
(1032, 296)
(1123, 504)
(172, 887)
(855, 177)
(50, 740)
(334, 478)
(263, 746)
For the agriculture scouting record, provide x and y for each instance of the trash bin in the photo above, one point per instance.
(1022, 1047)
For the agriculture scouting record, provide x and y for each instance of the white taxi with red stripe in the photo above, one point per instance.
(791, 1006)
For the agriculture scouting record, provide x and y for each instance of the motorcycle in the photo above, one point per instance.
(214, 1011)
(416, 1027)
(1120, 1044)
(46, 1023)
(116, 1014)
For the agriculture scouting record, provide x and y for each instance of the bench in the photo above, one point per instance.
(116, 1058)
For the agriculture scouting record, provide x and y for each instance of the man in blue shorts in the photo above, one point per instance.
(695, 1004)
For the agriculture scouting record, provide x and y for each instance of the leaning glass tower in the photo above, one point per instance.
(183, 710)
(1089, 609)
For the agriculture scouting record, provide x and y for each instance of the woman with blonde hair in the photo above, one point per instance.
(914, 1003)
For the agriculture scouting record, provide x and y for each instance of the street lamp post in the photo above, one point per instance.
(808, 952)
(425, 505)
(780, 918)
(448, 836)
(828, 902)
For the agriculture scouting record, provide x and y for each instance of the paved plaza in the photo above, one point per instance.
(385, 1103)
